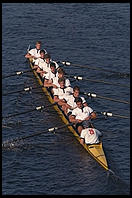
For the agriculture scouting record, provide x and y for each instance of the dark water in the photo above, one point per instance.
(90, 34)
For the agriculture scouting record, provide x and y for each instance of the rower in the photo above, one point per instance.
(35, 52)
(81, 115)
(61, 74)
(61, 92)
(45, 66)
(48, 81)
(70, 99)
(90, 136)
(39, 61)
(48, 60)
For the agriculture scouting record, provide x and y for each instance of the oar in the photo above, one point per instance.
(96, 81)
(110, 114)
(17, 73)
(28, 48)
(11, 143)
(36, 108)
(93, 68)
(94, 95)
(26, 89)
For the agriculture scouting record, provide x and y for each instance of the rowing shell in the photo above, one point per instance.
(95, 150)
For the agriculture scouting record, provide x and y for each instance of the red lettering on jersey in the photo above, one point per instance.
(91, 131)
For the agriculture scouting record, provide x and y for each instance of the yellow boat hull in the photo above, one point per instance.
(95, 150)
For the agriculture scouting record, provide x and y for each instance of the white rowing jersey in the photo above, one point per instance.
(62, 93)
(82, 113)
(90, 135)
(56, 64)
(45, 66)
(55, 82)
(70, 99)
(36, 53)
(50, 75)
(39, 61)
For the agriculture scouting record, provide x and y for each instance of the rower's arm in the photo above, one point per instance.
(28, 55)
(82, 137)
(82, 141)
(56, 99)
(48, 83)
(85, 104)
(93, 115)
(60, 102)
(72, 119)
(35, 67)
(39, 70)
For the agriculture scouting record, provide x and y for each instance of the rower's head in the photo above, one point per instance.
(42, 53)
(61, 73)
(76, 91)
(79, 102)
(47, 58)
(52, 67)
(61, 82)
(38, 45)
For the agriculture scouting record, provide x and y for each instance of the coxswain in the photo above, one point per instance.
(35, 52)
(90, 136)
(82, 115)
(60, 93)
